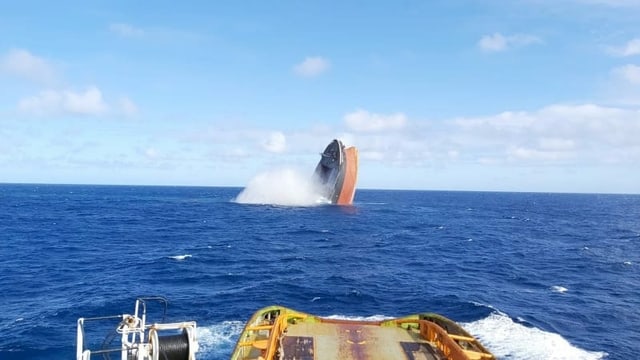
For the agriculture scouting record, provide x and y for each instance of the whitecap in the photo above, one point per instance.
(316, 298)
(180, 257)
(559, 289)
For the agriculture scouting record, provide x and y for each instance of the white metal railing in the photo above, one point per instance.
(139, 341)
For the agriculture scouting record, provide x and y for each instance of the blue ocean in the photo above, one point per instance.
(532, 275)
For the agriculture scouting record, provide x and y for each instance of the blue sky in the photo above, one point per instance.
(522, 95)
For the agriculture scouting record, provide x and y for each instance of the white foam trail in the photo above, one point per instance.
(180, 257)
(509, 340)
(281, 187)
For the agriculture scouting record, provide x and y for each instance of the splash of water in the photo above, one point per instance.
(286, 187)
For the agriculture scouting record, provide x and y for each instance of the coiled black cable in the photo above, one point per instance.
(174, 347)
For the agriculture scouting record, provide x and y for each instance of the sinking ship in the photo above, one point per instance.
(337, 172)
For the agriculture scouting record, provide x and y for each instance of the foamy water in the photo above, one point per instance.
(507, 339)
(218, 340)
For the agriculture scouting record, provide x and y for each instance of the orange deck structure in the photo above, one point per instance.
(277, 332)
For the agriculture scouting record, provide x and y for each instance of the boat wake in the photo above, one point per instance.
(286, 187)
(510, 340)
(498, 332)
(217, 341)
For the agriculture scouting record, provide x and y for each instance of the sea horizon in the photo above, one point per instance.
(357, 188)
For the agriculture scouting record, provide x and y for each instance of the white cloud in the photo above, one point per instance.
(312, 66)
(236, 153)
(275, 143)
(89, 102)
(629, 73)
(533, 154)
(125, 30)
(151, 153)
(584, 133)
(621, 87)
(552, 136)
(497, 42)
(555, 143)
(22, 63)
(362, 120)
(632, 47)
(128, 107)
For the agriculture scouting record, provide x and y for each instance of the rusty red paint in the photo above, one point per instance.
(352, 341)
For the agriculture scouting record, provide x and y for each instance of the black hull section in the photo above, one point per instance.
(330, 171)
